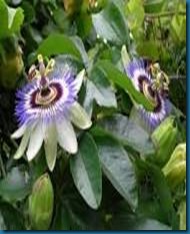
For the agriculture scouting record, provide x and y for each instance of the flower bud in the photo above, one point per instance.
(175, 169)
(10, 69)
(41, 203)
(182, 215)
(164, 138)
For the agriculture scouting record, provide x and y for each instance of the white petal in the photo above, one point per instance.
(50, 146)
(79, 116)
(78, 80)
(66, 136)
(23, 144)
(19, 132)
(36, 140)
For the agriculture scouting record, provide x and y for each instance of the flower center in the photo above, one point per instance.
(151, 94)
(47, 96)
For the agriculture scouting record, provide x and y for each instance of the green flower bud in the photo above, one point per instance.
(164, 138)
(175, 169)
(41, 203)
(10, 69)
(182, 215)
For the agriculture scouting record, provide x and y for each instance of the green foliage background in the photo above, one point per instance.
(114, 182)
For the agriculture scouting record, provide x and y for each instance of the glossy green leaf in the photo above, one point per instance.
(11, 19)
(126, 131)
(118, 168)
(15, 186)
(98, 89)
(58, 44)
(111, 25)
(86, 172)
(124, 82)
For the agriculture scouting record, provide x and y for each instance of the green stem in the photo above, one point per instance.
(164, 14)
(2, 167)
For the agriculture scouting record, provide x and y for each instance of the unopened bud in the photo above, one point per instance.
(175, 169)
(182, 215)
(41, 203)
(11, 69)
(164, 138)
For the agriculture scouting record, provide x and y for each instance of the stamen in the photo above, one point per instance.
(41, 65)
(50, 66)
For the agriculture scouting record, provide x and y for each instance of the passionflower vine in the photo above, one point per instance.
(154, 87)
(45, 109)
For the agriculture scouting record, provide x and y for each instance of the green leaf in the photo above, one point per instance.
(3, 18)
(15, 19)
(161, 189)
(15, 186)
(61, 219)
(80, 46)
(125, 221)
(13, 218)
(124, 82)
(148, 49)
(111, 25)
(153, 6)
(11, 19)
(84, 24)
(98, 89)
(126, 131)
(178, 28)
(135, 14)
(118, 168)
(2, 222)
(29, 12)
(86, 171)
(58, 44)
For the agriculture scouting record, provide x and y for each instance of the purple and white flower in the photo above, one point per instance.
(143, 81)
(45, 109)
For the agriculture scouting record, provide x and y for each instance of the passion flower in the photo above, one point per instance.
(45, 108)
(137, 71)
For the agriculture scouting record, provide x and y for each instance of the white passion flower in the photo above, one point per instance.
(45, 109)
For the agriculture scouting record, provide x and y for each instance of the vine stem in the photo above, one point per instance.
(164, 14)
(2, 167)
